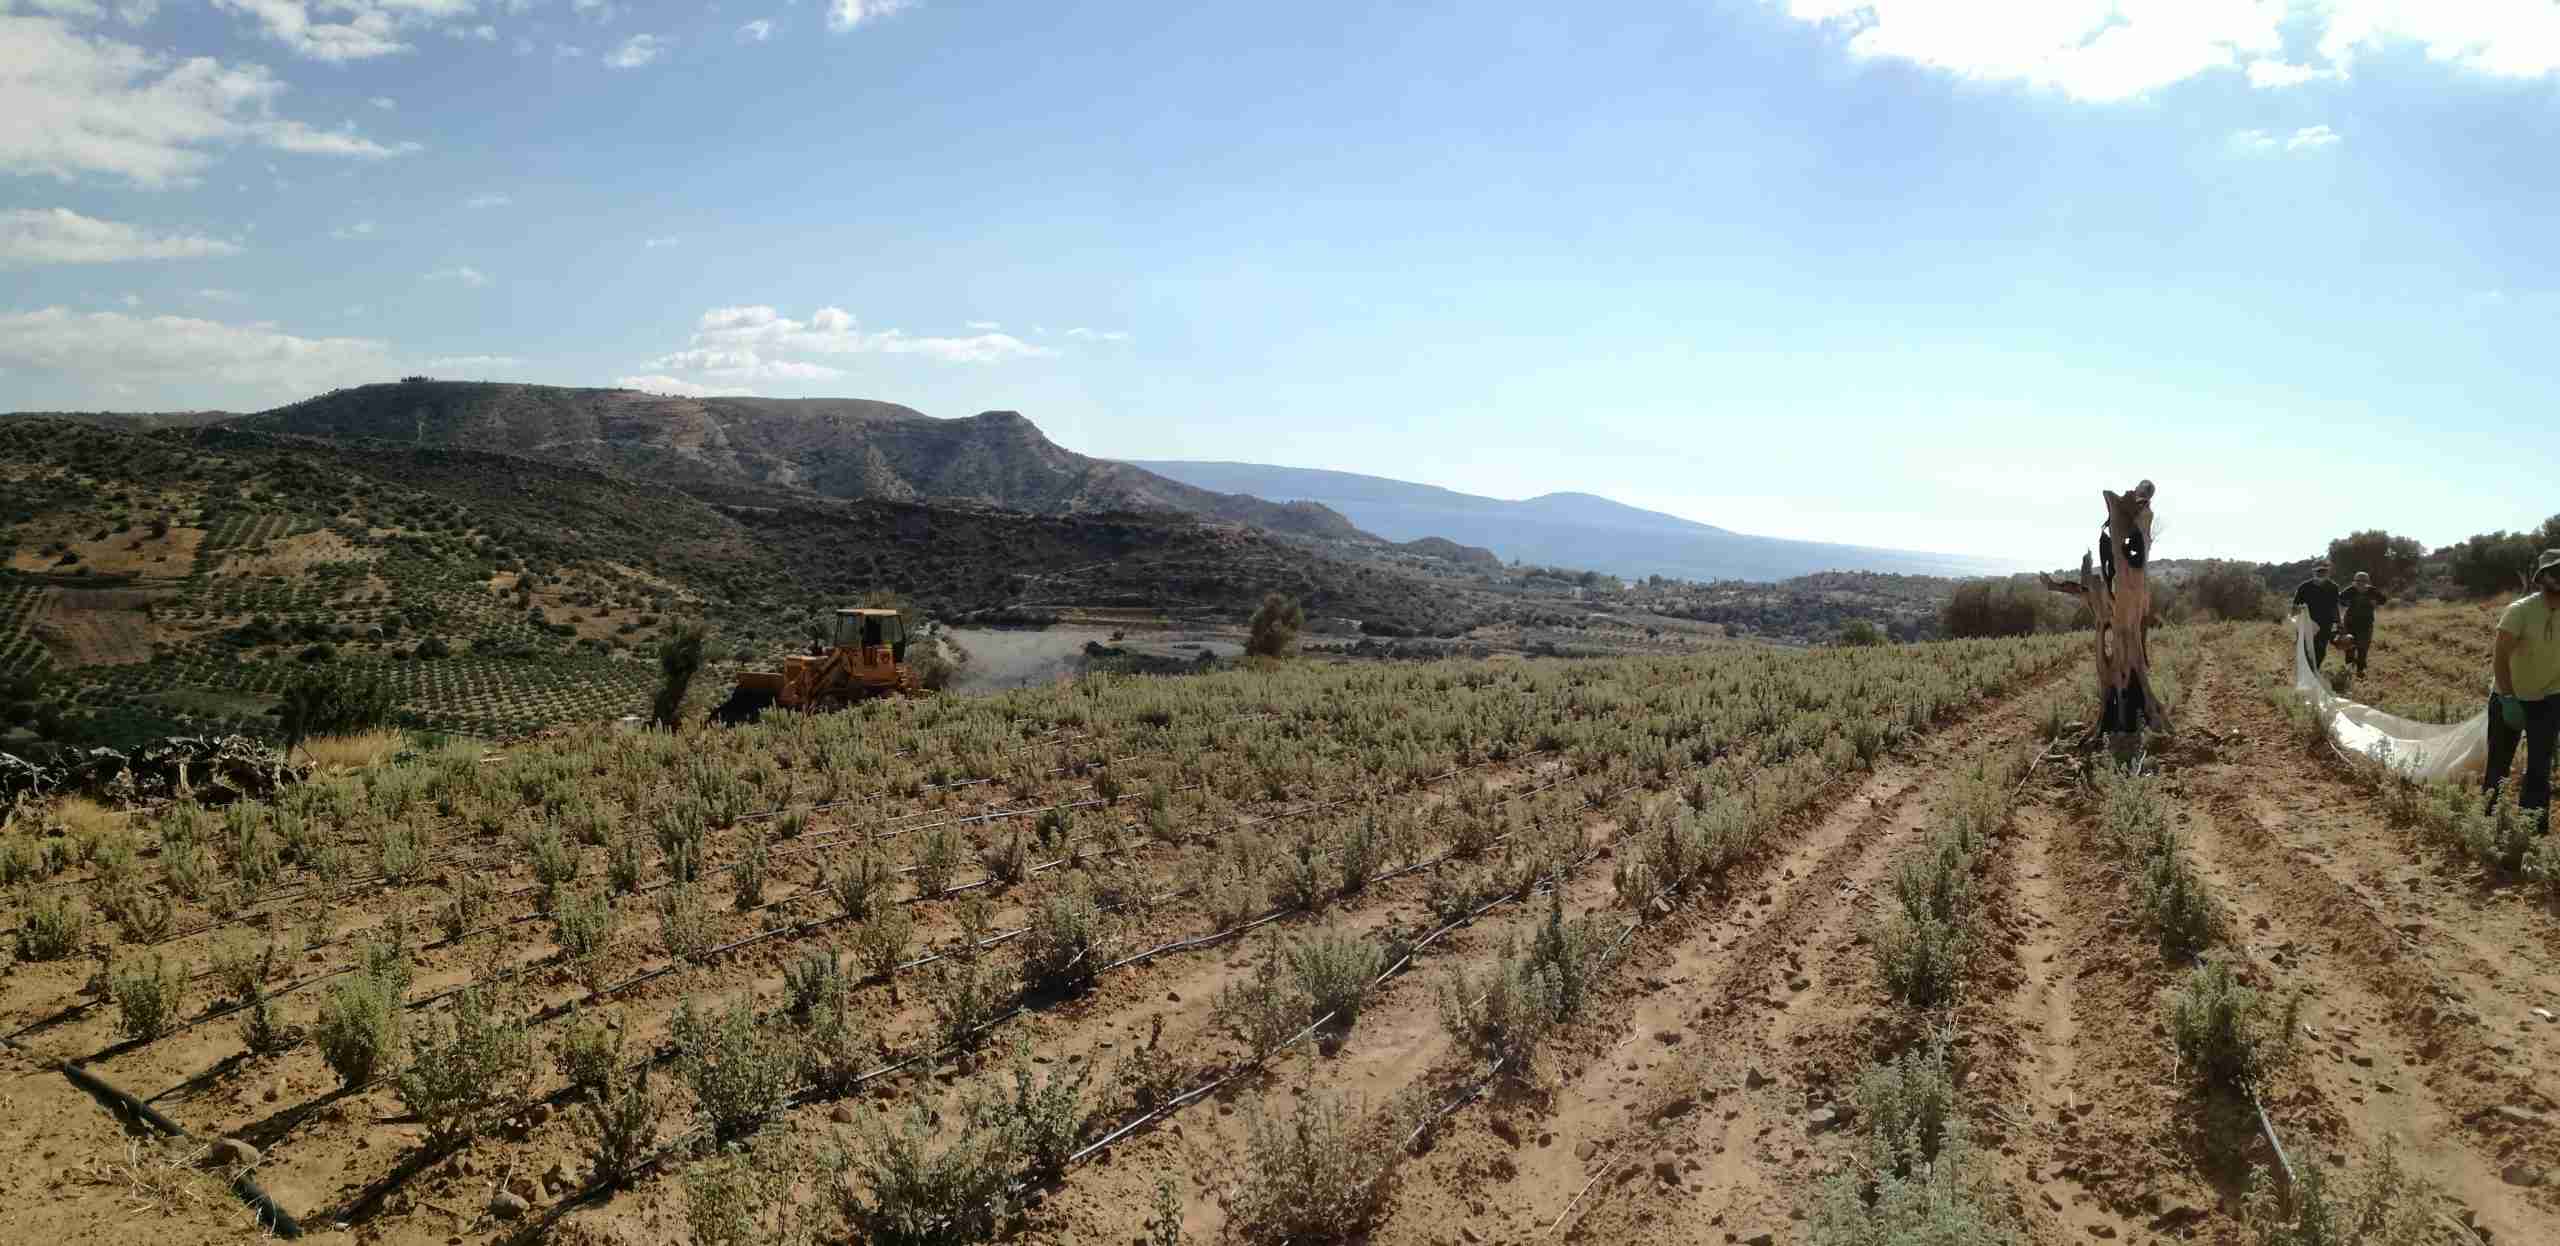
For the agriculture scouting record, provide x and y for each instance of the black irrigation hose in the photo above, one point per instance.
(272, 1217)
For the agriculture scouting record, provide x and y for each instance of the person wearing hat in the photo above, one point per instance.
(2319, 595)
(2358, 603)
(2524, 703)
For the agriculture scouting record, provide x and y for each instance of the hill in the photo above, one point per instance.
(831, 447)
(1571, 529)
(177, 579)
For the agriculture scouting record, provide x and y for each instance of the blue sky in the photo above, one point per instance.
(1918, 273)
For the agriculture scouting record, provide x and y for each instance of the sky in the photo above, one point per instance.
(1924, 274)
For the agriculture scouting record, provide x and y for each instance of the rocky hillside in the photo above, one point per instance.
(832, 447)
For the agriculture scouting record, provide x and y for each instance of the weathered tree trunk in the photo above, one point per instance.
(2118, 590)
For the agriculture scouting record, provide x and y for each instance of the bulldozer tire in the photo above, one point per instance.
(745, 705)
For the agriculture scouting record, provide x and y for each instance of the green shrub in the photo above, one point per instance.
(1007, 860)
(1049, 1117)
(51, 929)
(965, 996)
(684, 923)
(582, 922)
(2500, 839)
(1920, 960)
(2225, 1032)
(463, 1074)
(859, 880)
(739, 1069)
(469, 901)
(1907, 1105)
(332, 701)
(679, 659)
(880, 943)
(2174, 902)
(624, 862)
(555, 862)
(1947, 1202)
(589, 1052)
(750, 874)
(2383, 1205)
(938, 861)
(1062, 950)
(932, 1177)
(146, 995)
(1336, 970)
(1321, 1174)
(620, 1121)
(1264, 1009)
(1273, 630)
(240, 963)
(359, 1027)
(811, 980)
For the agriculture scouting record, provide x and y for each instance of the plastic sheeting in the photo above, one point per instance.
(2429, 751)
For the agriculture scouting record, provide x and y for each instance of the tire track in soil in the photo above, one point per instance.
(2388, 1043)
(2074, 1107)
(1771, 981)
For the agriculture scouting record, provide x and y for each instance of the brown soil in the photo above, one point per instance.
(97, 627)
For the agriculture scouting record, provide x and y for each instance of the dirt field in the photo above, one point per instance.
(1703, 1088)
(86, 627)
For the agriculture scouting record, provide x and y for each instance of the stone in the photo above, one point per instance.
(508, 1207)
(1668, 1038)
(1821, 1119)
(842, 1115)
(2514, 1115)
(1585, 1149)
(1666, 1170)
(274, 1090)
(535, 1116)
(233, 1153)
(1753, 1078)
(1761, 1239)
(2522, 1174)
(523, 1188)
(2102, 1231)
(1798, 984)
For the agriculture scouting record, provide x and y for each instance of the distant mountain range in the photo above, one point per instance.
(1577, 530)
(754, 450)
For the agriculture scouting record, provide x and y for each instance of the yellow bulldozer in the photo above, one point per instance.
(864, 656)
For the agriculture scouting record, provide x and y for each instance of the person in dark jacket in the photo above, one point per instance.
(2319, 595)
(2357, 605)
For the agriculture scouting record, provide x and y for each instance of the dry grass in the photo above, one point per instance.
(83, 817)
(354, 752)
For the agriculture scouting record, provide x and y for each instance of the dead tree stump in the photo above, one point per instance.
(2118, 591)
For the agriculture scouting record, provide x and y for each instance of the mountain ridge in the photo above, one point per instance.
(1565, 527)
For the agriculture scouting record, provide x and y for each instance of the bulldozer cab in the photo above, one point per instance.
(872, 629)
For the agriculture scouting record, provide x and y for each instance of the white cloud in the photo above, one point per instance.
(636, 51)
(1098, 335)
(989, 326)
(384, 102)
(2265, 142)
(2103, 50)
(360, 229)
(490, 200)
(110, 346)
(760, 337)
(366, 31)
(464, 274)
(847, 14)
(484, 32)
(567, 51)
(134, 12)
(2312, 138)
(2279, 74)
(294, 136)
(655, 243)
(756, 31)
(73, 104)
(211, 295)
(680, 388)
(62, 236)
(744, 365)
(600, 10)
(131, 299)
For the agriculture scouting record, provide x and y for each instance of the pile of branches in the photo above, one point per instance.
(210, 770)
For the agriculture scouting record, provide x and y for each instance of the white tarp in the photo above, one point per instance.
(2430, 751)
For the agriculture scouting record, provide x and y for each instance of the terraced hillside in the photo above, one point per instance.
(174, 581)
